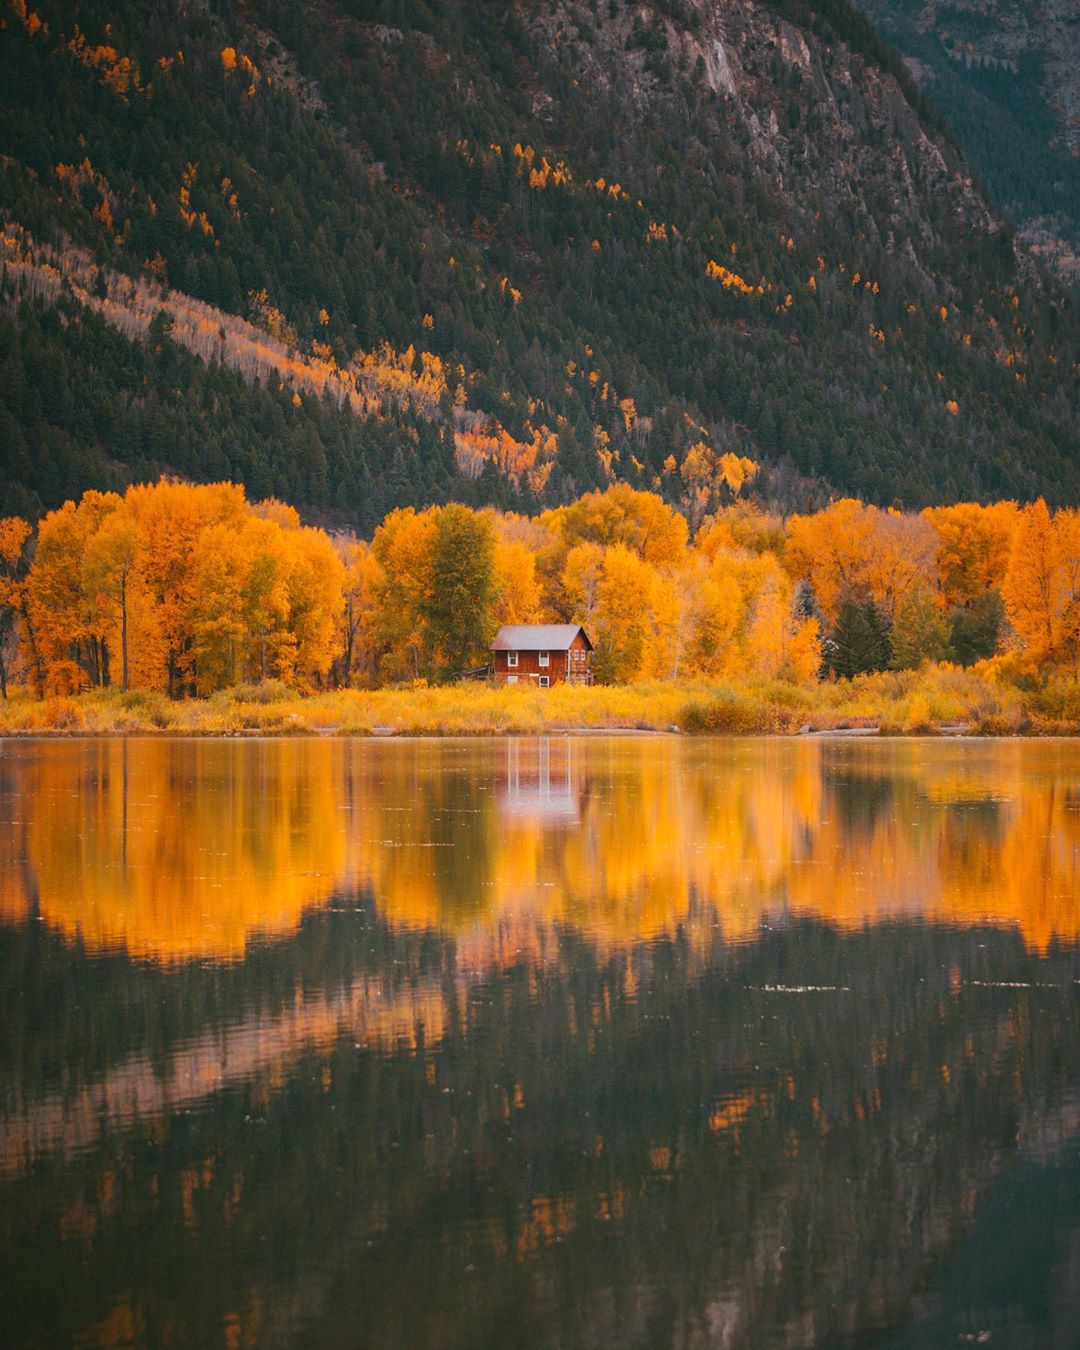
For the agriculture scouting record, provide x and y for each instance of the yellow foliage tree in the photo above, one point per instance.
(622, 621)
(110, 562)
(1041, 588)
(641, 521)
(974, 543)
(403, 547)
(1030, 587)
(72, 626)
(517, 581)
(850, 547)
(358, 639)
(580, 584)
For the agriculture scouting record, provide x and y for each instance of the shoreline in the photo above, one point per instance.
(944, 702)
(877, 733)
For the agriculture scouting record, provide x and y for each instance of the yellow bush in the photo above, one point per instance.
(62, 713)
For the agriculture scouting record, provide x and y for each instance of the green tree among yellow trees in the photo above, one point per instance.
(459, 612)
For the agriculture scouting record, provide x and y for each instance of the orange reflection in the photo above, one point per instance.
(166, 849)
(178, 850)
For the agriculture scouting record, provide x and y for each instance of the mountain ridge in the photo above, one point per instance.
(617, 232)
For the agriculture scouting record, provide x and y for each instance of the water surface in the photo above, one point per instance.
(539, 1042)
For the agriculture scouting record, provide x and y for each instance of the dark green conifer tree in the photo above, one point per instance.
(860, 640)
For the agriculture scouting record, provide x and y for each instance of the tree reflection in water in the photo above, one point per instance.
(567, 1042)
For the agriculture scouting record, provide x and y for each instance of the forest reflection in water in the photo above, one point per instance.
(630, 1040)
(177, 849)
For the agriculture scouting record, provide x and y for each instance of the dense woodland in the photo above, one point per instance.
(567, 221)
(190, 589)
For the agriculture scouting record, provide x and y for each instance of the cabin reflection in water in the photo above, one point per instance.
(544, 781)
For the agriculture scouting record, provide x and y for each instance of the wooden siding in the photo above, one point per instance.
(573, 666)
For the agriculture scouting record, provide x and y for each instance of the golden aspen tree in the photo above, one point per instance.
(769, 620)
(111, 559)
(722, 610)
(1067, 542)
(170, 518)
(741, 526)
(973, 547)
(219, 620)
(802, 660)
(778, 641)
(850, 547)
(357, 625)
(623, 615)
(701, 478)
(403, 547)
(580, 584)
(1030, 587)
(517, 583)
(675, 602)
(641, 521)
(832, 549)
(72, 627)
(314, 577)
(283, 515)
(716, 535)
(711, 480)
(737, 471)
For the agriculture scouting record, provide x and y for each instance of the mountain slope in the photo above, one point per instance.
(1007, 76)
(602, 233)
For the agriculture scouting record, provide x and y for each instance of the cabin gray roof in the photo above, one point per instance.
(538, 637)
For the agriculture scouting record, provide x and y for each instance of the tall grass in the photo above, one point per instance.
(983, 700)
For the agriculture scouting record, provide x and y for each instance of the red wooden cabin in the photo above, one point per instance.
(542, 654)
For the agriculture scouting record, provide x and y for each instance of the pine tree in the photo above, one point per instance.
(860, 640)
(975, 628)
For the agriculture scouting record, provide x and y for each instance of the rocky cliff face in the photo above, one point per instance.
(820, 121)
(1007, 74)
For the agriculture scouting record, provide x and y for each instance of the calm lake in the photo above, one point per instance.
(567, 1042)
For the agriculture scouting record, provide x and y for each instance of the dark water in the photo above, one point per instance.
(592, 1042)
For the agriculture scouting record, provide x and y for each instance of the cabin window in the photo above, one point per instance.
(545, 659)
(511, 660)
(545, 681)
(511, 679)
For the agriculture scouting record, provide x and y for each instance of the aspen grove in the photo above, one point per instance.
(188, 589)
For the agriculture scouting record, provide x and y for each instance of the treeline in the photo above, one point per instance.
(188, 589)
